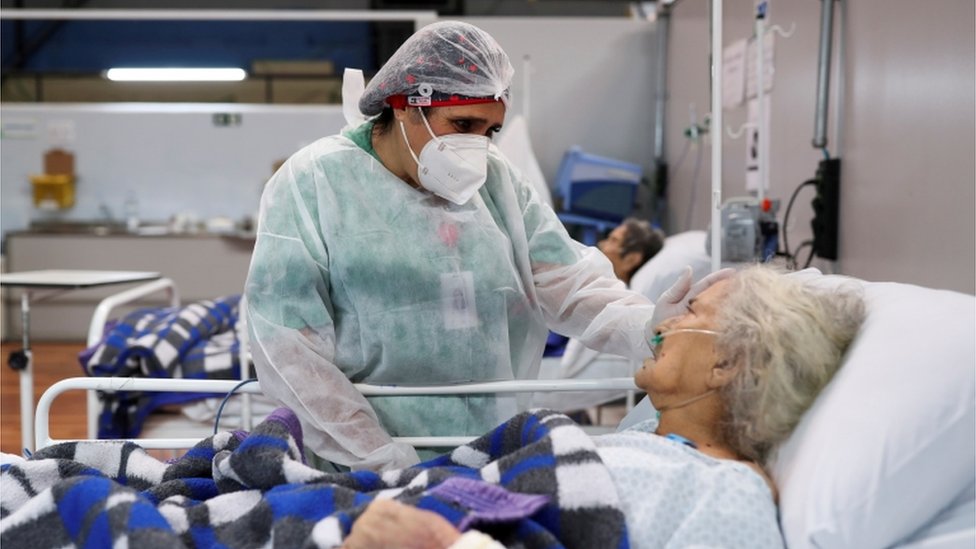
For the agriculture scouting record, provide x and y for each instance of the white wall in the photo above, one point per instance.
(910, 143)
(591, 84)
(171, 156)
(906, 142)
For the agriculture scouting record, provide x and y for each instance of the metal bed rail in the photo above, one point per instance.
(112, 384)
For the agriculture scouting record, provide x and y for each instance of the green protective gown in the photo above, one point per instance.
(358, 277)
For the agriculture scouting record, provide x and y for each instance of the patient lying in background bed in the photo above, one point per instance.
(731, 379)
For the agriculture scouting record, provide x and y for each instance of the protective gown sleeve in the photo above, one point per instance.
(290, 316)
(578, 293)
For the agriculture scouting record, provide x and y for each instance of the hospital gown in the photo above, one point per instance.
(675, 496)
(358, 276)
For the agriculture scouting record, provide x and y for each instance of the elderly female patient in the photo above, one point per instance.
(730, 380)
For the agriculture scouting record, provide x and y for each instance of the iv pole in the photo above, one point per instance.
(716, 68)
(763, 140)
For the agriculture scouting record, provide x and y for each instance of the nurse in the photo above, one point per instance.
(406, 250)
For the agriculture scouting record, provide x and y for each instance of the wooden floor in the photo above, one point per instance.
(52, 362)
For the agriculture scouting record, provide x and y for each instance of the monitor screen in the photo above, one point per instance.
(609, 200)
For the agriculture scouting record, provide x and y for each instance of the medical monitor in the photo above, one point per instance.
(597, 187)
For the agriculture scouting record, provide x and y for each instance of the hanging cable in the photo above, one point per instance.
(681, 160)
(809, 256)
(786, 217)
(791, 260)
(220, 410)
(663, 180)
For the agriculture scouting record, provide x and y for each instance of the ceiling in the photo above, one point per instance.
(63, 60)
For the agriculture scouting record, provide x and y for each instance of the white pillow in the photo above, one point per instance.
(661, 271)
(892, 439)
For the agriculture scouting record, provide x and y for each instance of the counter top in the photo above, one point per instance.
(237, 235)
(112, 227)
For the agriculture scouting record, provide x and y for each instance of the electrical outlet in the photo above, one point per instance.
(826, 209)
(226, 119)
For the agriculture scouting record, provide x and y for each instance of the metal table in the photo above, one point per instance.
(53, 282)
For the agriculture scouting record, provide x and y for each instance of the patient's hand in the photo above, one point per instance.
(389, 524)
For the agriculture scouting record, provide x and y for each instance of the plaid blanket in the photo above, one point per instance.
(197, 341)
(535, 481)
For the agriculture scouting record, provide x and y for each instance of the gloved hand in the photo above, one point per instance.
(393, 456)
(674, 301)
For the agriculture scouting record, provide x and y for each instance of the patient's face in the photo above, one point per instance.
(684, 359)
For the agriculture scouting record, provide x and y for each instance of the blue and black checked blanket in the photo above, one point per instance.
(197, 341)
(535, 481)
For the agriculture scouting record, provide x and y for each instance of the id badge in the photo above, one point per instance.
(458, 306)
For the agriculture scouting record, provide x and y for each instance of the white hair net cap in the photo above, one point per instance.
(444, 61)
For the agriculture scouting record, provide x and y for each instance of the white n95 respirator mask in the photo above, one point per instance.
(452, 166)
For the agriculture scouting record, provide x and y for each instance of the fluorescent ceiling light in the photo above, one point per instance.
(176, 75)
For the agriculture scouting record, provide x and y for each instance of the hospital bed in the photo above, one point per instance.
(886, 457)
(106, 315)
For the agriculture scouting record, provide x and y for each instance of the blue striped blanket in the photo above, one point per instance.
(196, 341)
(535, 481)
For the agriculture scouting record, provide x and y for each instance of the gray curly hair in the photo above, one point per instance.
(787, 339)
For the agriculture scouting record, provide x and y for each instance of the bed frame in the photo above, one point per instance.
(112, 384)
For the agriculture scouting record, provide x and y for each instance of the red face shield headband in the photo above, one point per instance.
(403, 101)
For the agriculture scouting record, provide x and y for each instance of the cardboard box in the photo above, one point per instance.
(59, 162)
